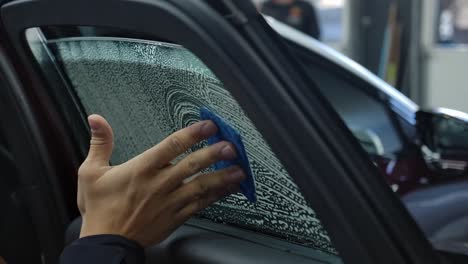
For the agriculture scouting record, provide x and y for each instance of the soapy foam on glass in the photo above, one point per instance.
(148, 90)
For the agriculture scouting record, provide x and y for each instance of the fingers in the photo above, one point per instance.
(206, 189)
(102, 141)
(174, 145)
(199, 160)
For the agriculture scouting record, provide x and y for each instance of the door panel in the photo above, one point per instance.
(16, 230)
(200, 241)
(30, 218)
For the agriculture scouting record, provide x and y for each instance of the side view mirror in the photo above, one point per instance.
(445, 133)
(369, 140)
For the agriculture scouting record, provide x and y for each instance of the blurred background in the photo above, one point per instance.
(418, 46)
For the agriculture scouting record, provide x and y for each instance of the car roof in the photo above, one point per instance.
(400, 103)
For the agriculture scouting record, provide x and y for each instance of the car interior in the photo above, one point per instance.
(15, 226)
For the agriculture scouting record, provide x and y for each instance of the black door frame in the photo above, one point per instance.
(23, 135)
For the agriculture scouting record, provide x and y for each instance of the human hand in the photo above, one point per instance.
(147, 198)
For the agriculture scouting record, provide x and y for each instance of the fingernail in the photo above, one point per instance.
(208, 128)
(227, 152)
(94, 126)
(235, 177)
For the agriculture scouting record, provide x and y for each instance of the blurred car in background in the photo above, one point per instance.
(413, 148)
(422, 154)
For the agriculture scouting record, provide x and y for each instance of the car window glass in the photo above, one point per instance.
(366, 116)
(360, 111)
(150, 89)
(451, 133)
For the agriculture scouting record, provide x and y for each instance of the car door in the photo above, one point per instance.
(21, 184)
(320, 200)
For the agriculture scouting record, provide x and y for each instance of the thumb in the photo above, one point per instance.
(102, 141)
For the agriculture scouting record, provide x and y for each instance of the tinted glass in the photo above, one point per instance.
(451, 133)
(148, 90)
(366, 116)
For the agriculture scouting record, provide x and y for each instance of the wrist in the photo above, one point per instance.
(97, 228)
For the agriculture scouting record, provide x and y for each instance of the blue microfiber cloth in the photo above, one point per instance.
(227, 133)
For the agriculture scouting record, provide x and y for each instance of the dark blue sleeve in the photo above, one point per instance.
(105, 249)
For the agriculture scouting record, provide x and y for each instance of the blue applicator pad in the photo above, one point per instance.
(227, 133)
